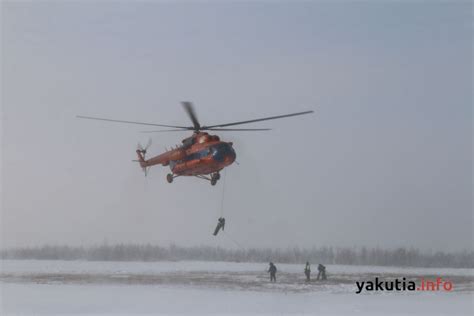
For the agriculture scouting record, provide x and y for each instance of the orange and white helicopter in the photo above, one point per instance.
(201, 155)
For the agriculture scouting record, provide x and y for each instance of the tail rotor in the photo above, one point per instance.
(142, 150)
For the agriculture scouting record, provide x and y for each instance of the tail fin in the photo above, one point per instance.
(141, 158)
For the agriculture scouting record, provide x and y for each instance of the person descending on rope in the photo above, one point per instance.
(220, 224)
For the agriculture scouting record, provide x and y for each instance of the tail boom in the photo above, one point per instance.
(163, 159)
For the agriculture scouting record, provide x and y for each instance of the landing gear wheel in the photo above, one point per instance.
(169, 177)
(217, 176)
(213, 181)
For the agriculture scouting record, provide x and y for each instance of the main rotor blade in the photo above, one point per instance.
(236, 129)
(258, 120)
(169, 130)
(210, 129)
(188, 107)
(131, 122)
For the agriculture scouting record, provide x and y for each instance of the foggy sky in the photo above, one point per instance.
(385, 161)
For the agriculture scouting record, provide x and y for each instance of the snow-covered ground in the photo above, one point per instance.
(121, 299)
(81, 287)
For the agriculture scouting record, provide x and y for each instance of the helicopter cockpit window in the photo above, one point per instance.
(220, 151)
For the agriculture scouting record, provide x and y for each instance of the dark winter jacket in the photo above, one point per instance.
(272, 269)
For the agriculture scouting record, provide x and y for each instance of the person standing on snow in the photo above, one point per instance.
(321, 272)
(272, 270)
(307, 271)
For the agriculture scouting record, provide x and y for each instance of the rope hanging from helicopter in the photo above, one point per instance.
(222, 213)
(223, 193)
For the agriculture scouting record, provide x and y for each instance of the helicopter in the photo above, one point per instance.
(201, 155)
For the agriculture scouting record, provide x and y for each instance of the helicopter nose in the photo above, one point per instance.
(230, 157)
(223, 153)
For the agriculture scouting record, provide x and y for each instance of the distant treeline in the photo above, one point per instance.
(326, 255)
